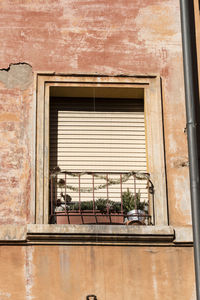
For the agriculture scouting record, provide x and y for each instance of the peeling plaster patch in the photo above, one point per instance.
(17, 76)
(183, 234)
(172, 144)
(4, 295)
(194, 297)
(152, 251)
(12, 232)
(180, 162)
(29, 273)
(154, 279)
(162, 29)
(182, 191)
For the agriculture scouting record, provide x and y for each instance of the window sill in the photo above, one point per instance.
(99, 234)
(95, 235)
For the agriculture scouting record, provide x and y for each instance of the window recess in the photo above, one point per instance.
(110, 126)
(99, 145)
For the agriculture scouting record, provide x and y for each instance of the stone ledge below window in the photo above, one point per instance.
(99, 234)
(94, 234)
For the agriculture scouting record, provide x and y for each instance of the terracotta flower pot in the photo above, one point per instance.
(88, 217)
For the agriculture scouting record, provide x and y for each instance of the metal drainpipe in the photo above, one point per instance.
(192, 100)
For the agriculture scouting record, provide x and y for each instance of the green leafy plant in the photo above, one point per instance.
(85, 205)
(132, 201)
(103, 205)
(116, 207)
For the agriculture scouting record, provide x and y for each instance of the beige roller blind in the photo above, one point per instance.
(98, 135)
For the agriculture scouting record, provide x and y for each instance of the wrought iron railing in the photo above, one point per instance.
(101, 198)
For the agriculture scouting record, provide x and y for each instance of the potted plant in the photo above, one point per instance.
(108, 206)
(134, 208)
(108, 211)
(73, 213)
(105, 211)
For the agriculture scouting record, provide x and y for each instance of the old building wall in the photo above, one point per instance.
(68, 272)
(17, 138)
(89, 37)
(98, 37)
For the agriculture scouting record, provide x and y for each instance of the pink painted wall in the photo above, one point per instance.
(93, 37)
(111, 37)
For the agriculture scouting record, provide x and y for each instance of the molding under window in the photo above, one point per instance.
(106, 235)
(99, 234)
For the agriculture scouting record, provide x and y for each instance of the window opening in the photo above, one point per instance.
(98, 161)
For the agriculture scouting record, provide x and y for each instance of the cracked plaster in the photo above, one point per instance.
(18, 75)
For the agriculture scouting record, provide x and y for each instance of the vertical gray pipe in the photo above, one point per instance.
(192, 101)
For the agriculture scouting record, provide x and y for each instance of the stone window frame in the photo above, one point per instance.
(154, 134)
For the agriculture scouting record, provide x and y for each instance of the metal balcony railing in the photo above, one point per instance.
(101, 198)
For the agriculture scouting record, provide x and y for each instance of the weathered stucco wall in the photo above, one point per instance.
(93, 37)
(89, 37)
(64, 272)
(17, 138)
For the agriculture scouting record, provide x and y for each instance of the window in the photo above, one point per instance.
(98, 100)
